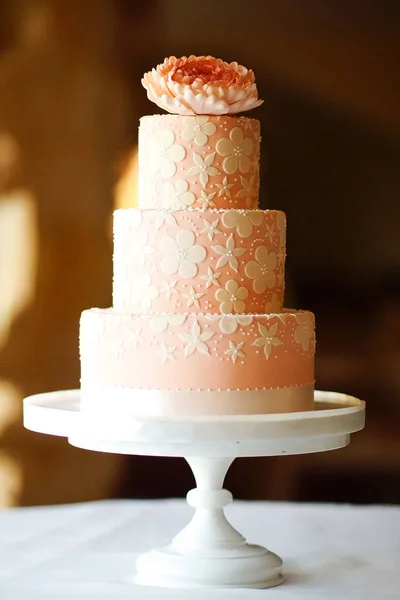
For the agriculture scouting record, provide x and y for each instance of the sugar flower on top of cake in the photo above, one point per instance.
(201, 85)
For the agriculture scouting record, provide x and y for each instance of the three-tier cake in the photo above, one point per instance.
(197, 324)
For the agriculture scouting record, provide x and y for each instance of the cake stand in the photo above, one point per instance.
(208, 552)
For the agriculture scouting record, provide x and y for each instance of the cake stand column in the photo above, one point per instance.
(209, 552)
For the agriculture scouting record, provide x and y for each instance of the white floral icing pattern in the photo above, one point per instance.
(274, 305)
(237, 150)
(166, 154)
(193, 298)
(243, 221)
(167, 353)
(262, 270)
(304, 331)
(160, 323)
(144, 292)
(203, 168)
(230, 323)
(183, 254)
(232, 297)
(173, 149)
(229, 254)
(198, 129)
(268, 339)
(248, 191)
(177, 194)
(211, 278)
(235, 352)
(196, 340)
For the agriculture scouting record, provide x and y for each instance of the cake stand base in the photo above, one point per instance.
(208, 552)
(253, 567)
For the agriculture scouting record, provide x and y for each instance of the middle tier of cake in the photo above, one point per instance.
(212, 261)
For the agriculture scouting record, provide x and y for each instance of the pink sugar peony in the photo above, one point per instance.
(201, 85)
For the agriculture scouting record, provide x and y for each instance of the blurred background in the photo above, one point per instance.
(70, 100)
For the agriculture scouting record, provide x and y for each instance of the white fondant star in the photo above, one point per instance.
(211, 278)
(224, 187)
(211, 228)
(229, 254)
(268, 339)
(193, 298)
(167, 353)
(207, 200)
(195, 340)
(235, 351)
(169, 288)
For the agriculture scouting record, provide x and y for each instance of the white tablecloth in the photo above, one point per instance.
(87, 551)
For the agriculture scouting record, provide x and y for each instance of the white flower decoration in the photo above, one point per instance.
(198, 129)
(193, 298)
(143, 291)
(243, 220)
(232, 297)
(248, 191)
(165, 154)
(262, 270)
(169, 288)
(183, 254)
(230, 323)
(159, 323)
(274, 305)
(229, 254)
(224, 188)
(304, 331)
(211, 228)
(207, 200)
(164, 215)
(203, 168)
(196, 340)
(236, 150)
(211, 278)
(167, 353)
(134, 337)
(138, 248)
(235, 351)
(268, 339)
(177, 194)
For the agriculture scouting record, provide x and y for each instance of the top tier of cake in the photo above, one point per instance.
(199, 162)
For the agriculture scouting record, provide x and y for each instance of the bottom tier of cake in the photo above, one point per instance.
(181, 364)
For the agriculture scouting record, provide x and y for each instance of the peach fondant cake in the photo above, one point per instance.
(197, 324)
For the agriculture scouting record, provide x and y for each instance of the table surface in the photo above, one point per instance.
(88, 551)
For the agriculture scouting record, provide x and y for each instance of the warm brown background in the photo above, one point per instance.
(70, 99)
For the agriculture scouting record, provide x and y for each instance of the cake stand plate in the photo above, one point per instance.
(208, 552)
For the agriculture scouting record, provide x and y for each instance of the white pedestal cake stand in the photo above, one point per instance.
(208, 552)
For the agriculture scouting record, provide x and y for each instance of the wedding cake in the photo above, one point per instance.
(197, 325)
